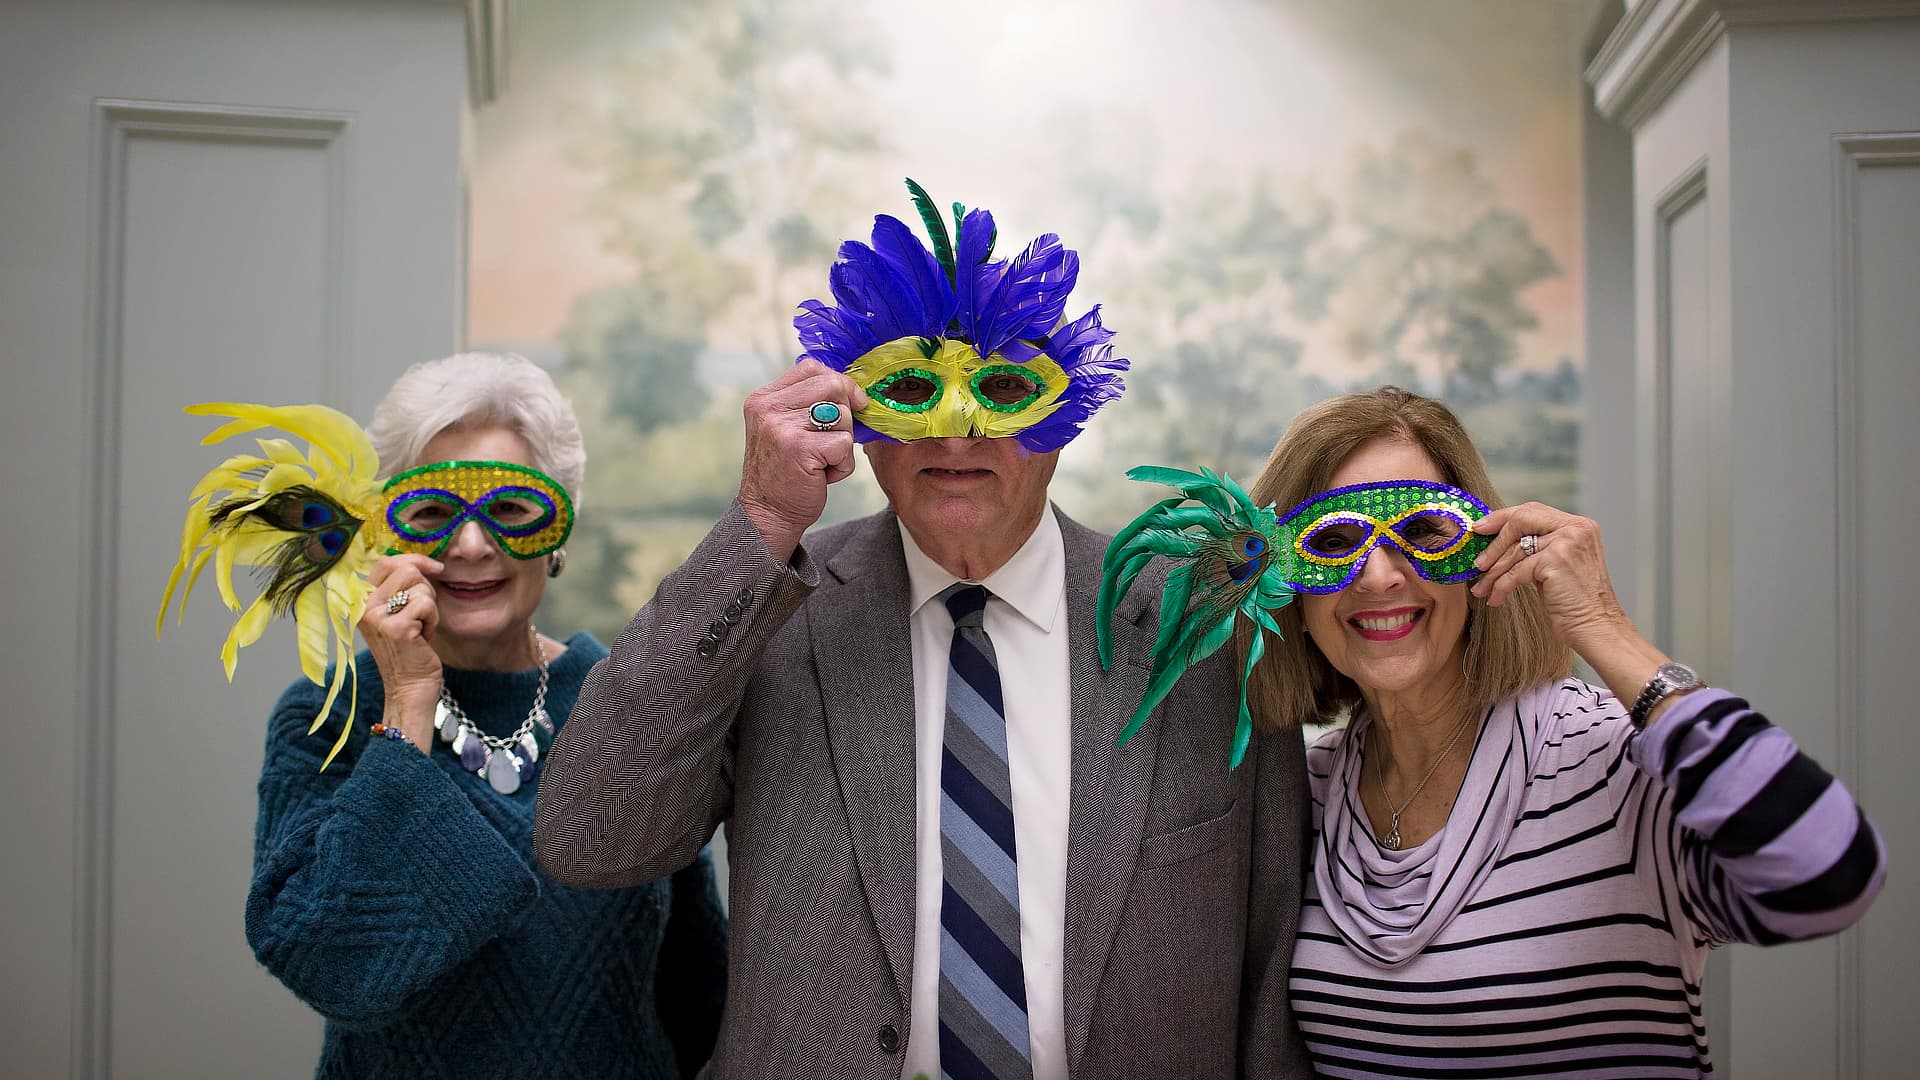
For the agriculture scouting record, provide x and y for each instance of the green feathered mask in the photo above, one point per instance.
(1235, 561)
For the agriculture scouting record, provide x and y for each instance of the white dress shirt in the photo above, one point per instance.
(1027, 620)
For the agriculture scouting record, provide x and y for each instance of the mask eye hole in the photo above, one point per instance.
(909, 390)
(519, 511)
(1430, 531)
(1337, 540)
(1006, 387)
(424, 516)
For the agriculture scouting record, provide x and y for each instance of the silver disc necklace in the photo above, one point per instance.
(503, 761)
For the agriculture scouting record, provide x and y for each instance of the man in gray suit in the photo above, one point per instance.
(941, 862)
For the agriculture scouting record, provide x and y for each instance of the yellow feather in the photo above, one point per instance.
(193, 574)
(341, 672)
(229, 475)
(282, 451)
(247, 630)
(190, 534)
(223, 575)
(329, 430)
(340, 461)
(353, 706)
(315, 631)
(281, 477)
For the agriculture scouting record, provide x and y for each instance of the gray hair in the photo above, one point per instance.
(478, 389)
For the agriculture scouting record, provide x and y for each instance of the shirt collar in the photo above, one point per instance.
(1033, 582)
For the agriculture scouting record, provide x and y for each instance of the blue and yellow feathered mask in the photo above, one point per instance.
(950, 344)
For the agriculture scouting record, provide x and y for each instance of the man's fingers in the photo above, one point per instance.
(841, 465)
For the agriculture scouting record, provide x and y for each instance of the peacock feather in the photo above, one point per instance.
(306, 522)
(1234, 562)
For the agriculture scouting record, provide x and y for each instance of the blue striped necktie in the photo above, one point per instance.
(983, 990)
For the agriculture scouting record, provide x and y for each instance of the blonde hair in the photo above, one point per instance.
(1508, 649)
(474, 389)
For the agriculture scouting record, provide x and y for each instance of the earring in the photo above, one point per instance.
(556, 562)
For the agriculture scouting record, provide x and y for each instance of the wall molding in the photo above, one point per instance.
(1655, 402)
(1657, 42)
(486, 50)
(1648, 54)
(116, 122)
(1852, 153)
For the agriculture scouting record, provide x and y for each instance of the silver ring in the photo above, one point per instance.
(824, 415)
(1530, 545)
(397, 601)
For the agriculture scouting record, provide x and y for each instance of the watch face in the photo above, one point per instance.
(1678, 676)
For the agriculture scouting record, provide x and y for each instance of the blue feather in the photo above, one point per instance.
(976, 277)
(867, 283)
(834, 336)
(1027, 301)
(894, 242)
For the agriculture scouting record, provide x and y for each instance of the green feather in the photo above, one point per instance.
(1196, 486)
(1168, 542)
(1114, 585)
(1161, 474)
(1239, 493)
(1200, 605)
(936, 228)
(1127, 540)
(1173, 605)
(1265, 618)
(1243, 731)
(1122, 563)
(1197, 642)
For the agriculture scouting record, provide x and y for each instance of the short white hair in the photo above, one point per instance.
(478, 389)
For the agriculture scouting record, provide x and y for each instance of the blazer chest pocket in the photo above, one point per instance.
(1190, 842)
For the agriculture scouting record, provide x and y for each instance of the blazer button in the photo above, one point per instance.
(745, 599)
(889, 1039)
(718, 630)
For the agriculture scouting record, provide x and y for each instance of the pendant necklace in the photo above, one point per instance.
(504, 762)
(1391, 841)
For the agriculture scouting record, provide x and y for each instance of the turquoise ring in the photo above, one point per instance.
(824, 415)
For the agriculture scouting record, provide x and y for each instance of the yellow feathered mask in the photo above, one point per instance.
(310, 523)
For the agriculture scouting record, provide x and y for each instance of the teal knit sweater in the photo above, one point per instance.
(396, 894)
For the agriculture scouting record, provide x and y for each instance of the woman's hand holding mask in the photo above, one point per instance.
(399, 634)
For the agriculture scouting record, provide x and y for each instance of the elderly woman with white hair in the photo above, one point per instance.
(396, 891)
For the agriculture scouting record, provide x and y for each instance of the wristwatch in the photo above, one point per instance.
(1668, 679)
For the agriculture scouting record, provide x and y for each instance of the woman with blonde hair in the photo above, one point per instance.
(1514, 873)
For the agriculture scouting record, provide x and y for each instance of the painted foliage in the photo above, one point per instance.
(1272, 201)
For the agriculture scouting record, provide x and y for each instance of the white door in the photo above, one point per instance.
(198, 200)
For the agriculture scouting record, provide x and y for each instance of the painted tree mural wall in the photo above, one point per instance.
(1274, 202)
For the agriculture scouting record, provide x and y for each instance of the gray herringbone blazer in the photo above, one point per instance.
(778, 699)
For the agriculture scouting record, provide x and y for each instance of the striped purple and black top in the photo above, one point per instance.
(1559, 925)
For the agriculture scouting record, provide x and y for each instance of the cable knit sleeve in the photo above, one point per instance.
(1770, 846)
(374, 878)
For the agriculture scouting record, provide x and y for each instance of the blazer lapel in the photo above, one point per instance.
(1108, 809)
(863, 655)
